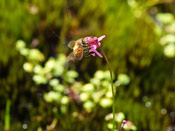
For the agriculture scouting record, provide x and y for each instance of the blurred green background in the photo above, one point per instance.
(36, 93)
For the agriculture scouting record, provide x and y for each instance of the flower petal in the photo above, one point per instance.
(99, 44)
(95, 51)
(94, 47)
(90, 40)
(93, 54)
(101, 37)
(95, 39)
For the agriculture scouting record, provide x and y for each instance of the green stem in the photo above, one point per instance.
(60, 46)
(7, 116)
(112, 86)
(65, 74)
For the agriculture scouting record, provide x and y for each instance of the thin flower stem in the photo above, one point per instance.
(7, 116)
(60, 47)
(65, 73)
(112, 86)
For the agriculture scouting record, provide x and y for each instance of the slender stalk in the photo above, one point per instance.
(112, 86)
(65, 73)
(7, 116)
(60, 46)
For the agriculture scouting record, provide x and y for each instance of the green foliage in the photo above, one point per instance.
(168, 39)
(119, 117)
(98, 92)
(139, 42)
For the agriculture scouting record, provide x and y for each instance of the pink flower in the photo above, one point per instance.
(123, 123)
(127, 125)
(94, 43)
